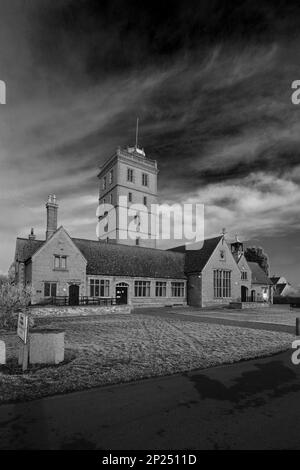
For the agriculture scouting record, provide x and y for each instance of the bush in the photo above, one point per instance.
(13, 298)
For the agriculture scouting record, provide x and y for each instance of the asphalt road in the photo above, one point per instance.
(248, 405)
(193, 315)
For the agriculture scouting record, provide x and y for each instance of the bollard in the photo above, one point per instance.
(297, 326)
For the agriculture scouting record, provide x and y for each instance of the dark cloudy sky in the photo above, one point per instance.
(211, 83)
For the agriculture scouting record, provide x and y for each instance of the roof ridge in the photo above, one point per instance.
(123, 245)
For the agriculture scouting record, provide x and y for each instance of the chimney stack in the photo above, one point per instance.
(52, 209)
(31, 236)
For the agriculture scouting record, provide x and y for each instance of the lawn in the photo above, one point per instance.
(121, 348)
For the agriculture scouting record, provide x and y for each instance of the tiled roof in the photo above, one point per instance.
(274, 279)
(195, 260)
(258, 274)
(25, 248)
(116, 260)
(123, 260)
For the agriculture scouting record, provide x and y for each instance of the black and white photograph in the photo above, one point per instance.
(149, 234)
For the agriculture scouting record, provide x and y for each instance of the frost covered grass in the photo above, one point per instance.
(121, 348)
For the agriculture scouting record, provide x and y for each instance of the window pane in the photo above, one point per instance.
(142, 288)
(144, 179)
(222, 284)
(130, 175)
(160, 289)
(177, 289)
(97, 290)
(106, 292)
(99, 287)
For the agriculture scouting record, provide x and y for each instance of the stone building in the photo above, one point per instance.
(126, 179)
(132, 270)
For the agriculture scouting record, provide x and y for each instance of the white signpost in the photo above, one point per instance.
(2, 353)
(22, 332)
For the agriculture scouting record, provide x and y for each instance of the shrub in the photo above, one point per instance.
(13, 298)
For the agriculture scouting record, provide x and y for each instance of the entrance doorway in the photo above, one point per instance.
(244, 293)
(121, 293)
(74, 295)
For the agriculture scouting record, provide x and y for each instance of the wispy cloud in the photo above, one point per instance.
(213, 101)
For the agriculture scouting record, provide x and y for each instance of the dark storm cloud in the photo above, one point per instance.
(114, 34)
(277, 163)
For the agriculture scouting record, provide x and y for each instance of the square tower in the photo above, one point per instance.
(127, 179)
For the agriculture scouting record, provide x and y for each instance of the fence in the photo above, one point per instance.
(83, 300)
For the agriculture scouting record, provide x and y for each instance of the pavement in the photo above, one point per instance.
(247, 405)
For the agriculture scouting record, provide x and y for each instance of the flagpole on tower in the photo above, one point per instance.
(137, 133)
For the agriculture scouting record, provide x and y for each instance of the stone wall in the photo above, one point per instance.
(247, 305)
(41, 312)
